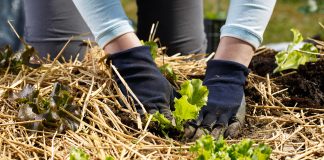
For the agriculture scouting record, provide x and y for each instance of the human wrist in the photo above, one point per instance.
(122, 43)
(236, 50)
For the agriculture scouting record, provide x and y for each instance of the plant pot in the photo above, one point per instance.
(212, 30)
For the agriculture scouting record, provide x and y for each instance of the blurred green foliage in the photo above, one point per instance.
(286, 15)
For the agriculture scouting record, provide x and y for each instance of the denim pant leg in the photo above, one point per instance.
(11, 10)
(181, 27)
(49, 24)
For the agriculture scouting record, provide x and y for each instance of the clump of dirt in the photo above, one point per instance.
(263, 63)
(305, 87)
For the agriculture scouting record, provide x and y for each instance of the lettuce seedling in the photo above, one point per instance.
(78, 154)
(154, 47)
(53, 113)
(162, 121)
(15, 60)
(184, 111)
(109, 158)
(168, 72)
(194, 97)
(195, 91)
(292, 58)
(206, 148)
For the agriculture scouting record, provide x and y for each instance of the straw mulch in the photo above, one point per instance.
(109, 129)
(292, 132)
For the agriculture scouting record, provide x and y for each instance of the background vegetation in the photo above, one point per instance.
(285, 17)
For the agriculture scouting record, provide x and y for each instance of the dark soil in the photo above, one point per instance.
(305, 87)
(263, 63)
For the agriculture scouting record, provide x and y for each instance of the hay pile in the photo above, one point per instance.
(107, 129)
(292, 132)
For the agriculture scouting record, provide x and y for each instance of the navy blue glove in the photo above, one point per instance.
(225, 110)
(140, 72)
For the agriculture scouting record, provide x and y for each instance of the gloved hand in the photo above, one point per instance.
(140, 72)
(225, 110)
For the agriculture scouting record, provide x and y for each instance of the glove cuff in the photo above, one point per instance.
(136, 53)
(226, 71)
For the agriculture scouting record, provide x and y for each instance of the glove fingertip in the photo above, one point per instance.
(233, 130)
(189, 131)
(200, 132)
(218, 131)
(152, 111)
(167, 113)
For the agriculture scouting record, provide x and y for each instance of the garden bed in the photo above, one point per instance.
(285, 111)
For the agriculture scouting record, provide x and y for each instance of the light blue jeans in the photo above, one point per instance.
(246, 20)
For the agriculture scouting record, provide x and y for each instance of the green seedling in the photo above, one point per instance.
(293, 58)
(54, 113)
(207, 148)
(154, 47)
(109, 158)
(78, 154)
(194, 97)
(168, 72)
(15, 60)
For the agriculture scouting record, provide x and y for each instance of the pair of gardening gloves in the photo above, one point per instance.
(225, 110)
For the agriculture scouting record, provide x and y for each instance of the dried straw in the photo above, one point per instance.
(295, 132)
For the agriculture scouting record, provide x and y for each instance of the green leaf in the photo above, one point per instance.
(168, 72)
(242, 149)
(297, 36)
(194, 96)
(184, 111)
(109, 158)
(197, 93)
(221, 145)
(153, 47)
(78, 154)
(292, 59)
(15, 60)
(27, 54)
(262, 152)
(5, 54)
(163, 122)
(28, 92)
(308, 47)
(7, 60)
(206, 148)
(287, 61)
(52, 110)
(29, 112)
